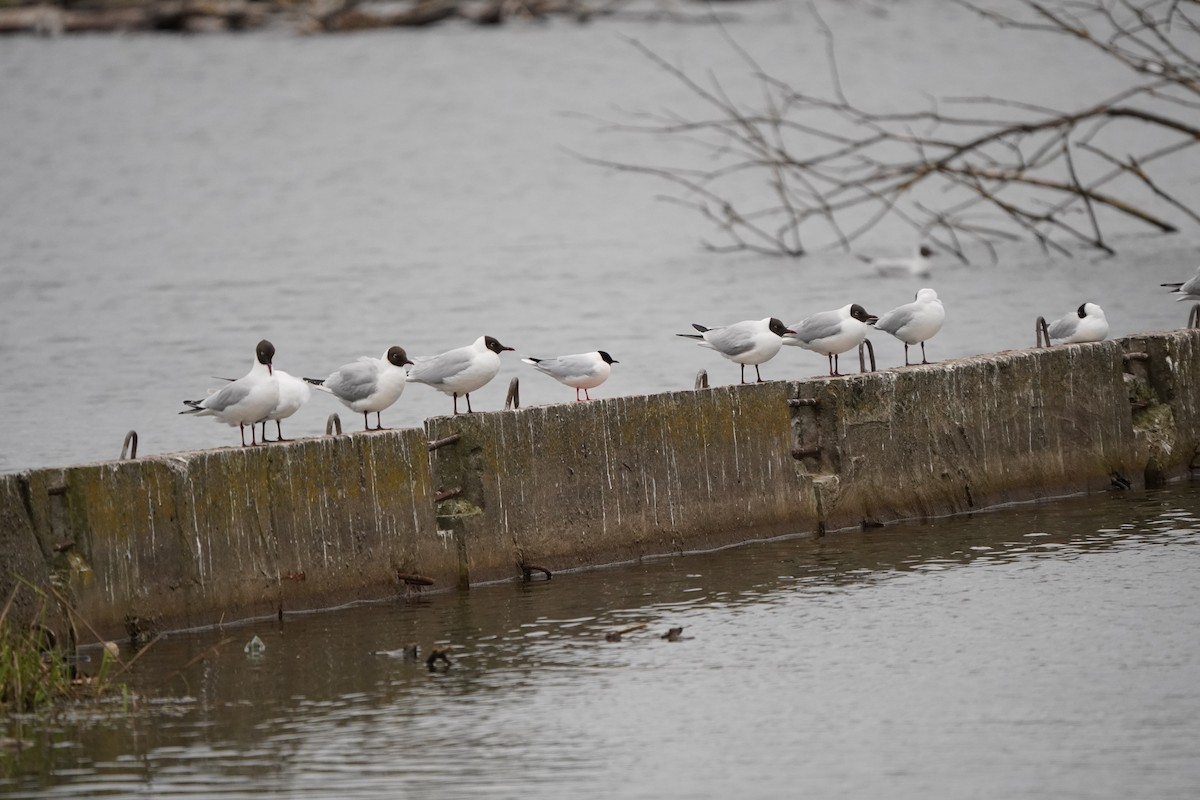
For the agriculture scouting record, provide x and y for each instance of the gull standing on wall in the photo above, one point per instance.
(293, 393)
(581, 371)
(460, 371)
(246, 401)
(832, 332)
(915, 322)
(368, 384)
(752, 341)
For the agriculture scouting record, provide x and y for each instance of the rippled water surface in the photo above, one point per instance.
(166, 201)
(1043, 651)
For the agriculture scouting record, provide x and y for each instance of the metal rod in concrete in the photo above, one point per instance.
(130, 446)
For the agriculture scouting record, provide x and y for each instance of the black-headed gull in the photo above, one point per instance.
(293, 393)
(915, 322)
(832, 332)
(460, 371)
(246, 401)
(368, 384)
(751, 341)
(916, 265)
(1085, 324)
(1187, 290)
(580, 371)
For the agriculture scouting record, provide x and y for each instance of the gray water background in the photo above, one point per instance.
(167, 201)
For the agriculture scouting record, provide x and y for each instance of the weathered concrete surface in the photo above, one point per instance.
(193, 538)
(588, 483)
(950, 437)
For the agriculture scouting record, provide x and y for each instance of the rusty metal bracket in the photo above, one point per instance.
(439, 443)
(513, 399)
(862, 363)
(1136, 356)
(1042, 331)
(130, 446)
(527, 571)
(806, 452)
(801, 402)
(334, 423)
(446, 494)
(1194, 316)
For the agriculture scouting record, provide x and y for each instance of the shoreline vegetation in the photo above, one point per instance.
(18, 17)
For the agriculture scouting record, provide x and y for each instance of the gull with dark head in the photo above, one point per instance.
(752, 341)
(580, 371)
(832, 332)
(246, 401)
(1085, 324)
(915, 322)
(460, 371)
(368, 384)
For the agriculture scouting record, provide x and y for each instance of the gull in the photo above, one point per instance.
(1086, 324)
(460, 371)
(915, 322)
(916, 265)
(368, 384)
(246, 401)
(832, 332)
(752, 341)
(1187, 290)
(580, 371)
(293, 393)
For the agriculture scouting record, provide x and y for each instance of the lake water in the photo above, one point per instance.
(1041, 651)
(167, 201)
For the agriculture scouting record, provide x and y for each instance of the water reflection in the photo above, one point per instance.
(890, 622)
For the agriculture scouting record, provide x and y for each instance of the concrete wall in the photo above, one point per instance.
(194, 538)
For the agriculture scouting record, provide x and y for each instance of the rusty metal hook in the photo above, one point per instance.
(1043, 332)
(1194, 316)
(701, 380)
(513, 399)
(130, 446)
(334, 423)
(862, 362)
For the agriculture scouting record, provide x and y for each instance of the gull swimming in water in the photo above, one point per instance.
(832, 332)
(368, 384)
(915, 322)
(1085, 324)
(916, 265)
(752, 341)
(1187, 290)
(581, 371)
(246, 401)
(460, 371)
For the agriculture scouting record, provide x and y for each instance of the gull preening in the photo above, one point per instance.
(580, 371)
(1187, 290)
(752, 341)
(246, 401)
(1086, 324)
(915, 322)
(832, 332)
(460, 371)
(916, 265)
(368, 384)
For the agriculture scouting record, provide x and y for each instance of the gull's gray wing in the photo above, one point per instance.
(434, 370)
(1062, 328)
(896, 319)
(577, 366)
(229, 395)
(354, 381)
(818, 326)
(732, 340)
(1192, 286)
